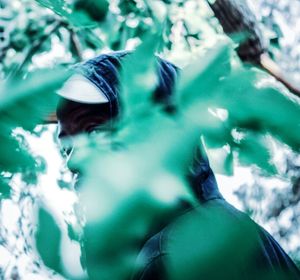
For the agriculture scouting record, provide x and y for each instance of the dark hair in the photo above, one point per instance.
(75, 117)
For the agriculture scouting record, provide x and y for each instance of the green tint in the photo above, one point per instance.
(251, 104)
(95, 9)
(5, 190)
(57, 6)
(253, 149)
(14, 156)
(222, 160)
(200, 80)
(132, 179)
(48, 238)
(139, 77)
(212, 241)
(35, 94)
(130, 191)
(80, 13)
(25, 104)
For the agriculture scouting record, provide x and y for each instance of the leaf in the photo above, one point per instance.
(80, 15)
(139, 190)
(57, 6)
(222, 160)
(260, 108)
(95, 9)
(26, 103)
(139, 75)
(250, 105)
(48, 238)
(14, 155)
(253, 149)
(200, 80)
(90, 39)
(5, 189)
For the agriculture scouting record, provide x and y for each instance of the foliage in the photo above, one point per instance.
(48, 245)
(149, 141)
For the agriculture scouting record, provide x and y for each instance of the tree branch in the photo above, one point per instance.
(36, 46)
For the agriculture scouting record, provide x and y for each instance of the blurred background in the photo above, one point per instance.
(42, 34)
